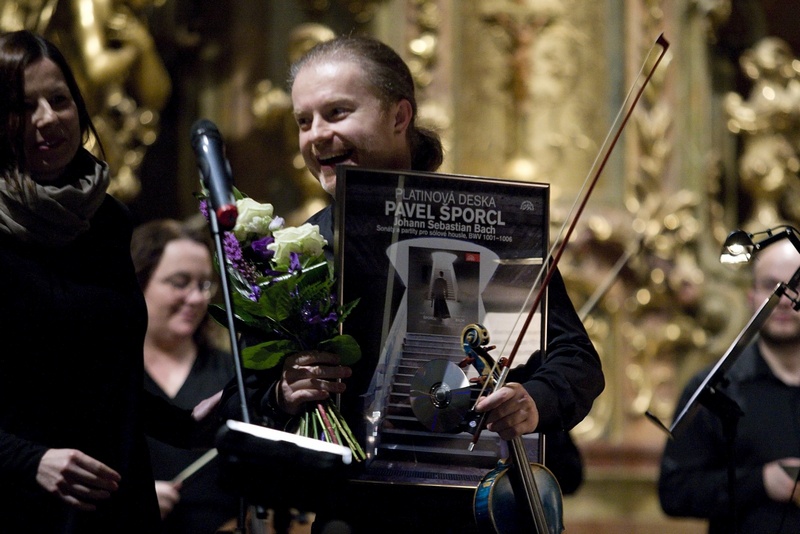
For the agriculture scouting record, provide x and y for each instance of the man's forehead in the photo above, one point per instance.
(781, 257)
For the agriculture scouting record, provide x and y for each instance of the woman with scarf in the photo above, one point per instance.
(73, 415)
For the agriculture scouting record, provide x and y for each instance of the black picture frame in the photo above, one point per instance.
(395, 233)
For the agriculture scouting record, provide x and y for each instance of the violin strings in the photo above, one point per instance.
(533, 498)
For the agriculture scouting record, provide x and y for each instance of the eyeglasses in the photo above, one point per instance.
(184, 285)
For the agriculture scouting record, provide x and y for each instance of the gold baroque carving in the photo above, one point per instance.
(514, 26)
(423, 48)
(769, 123)
(363, 11)
(537, 77)
(663, 315)
(423, 57)
(555, 127)
(715, 13)
(661, 325)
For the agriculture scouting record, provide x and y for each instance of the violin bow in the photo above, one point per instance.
(559, 244)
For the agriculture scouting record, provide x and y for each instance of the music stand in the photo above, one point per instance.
(277, 469)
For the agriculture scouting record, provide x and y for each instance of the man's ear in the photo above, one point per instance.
(402, 116)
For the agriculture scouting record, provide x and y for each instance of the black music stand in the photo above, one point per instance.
(279, 470)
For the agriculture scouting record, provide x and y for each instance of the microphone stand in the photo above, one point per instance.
(710, 395)
(217, 234)
(228, 299)
(280, 520)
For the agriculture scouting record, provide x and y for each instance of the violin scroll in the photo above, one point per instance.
(474, 340)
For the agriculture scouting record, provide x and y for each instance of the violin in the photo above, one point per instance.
(518, 496)
(496, 506)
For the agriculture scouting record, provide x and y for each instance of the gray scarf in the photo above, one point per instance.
(53, 215)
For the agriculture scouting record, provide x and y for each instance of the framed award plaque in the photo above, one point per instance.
(432, 258)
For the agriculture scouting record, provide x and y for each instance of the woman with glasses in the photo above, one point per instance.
(182, 363)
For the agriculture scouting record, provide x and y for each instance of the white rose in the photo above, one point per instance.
(304, 240)
(254, 218)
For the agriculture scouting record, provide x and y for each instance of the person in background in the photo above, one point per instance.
(354, 103)
(439, 298)
(765, 383)
(73, 412)
(183, 363)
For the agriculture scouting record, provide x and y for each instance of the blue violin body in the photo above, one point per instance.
(497, 509)
(517, 496)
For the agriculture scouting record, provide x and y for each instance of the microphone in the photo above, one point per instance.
(215, 172)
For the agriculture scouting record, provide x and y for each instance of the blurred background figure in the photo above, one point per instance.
(184, 362)
(764, 382)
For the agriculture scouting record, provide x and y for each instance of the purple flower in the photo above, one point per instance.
(233, 250)
(256, 293)
(294, 262)
(313, 314)
(236, 260)
(319, 322)
(274, 275)
(260, 249)
(204, 208)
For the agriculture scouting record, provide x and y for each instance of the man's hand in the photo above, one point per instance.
(511, 411)
(168, 496)
(310, 376)
(76, 478)
(778, 484)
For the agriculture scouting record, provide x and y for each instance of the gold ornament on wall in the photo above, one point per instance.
(515, 27)
(769, 123)
(648, 297)
(362, 11)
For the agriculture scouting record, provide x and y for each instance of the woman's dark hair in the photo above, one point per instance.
(18, 50)
(147, 247)
(392, 80)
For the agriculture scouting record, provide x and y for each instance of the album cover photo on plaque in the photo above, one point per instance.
(432, 258)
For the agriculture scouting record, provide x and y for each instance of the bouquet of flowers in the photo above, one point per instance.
(283, 287)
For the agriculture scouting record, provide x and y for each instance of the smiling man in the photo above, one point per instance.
(354, 102)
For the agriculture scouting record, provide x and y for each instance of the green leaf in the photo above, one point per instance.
(345, 346)
(345, 310)
(275, 301)
(268, 354)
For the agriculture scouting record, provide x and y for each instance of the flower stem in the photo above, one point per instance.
(303, 430)
(358, 452)
(343, 430)
(328, 427)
